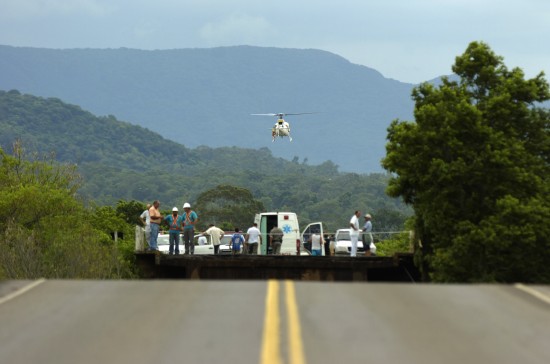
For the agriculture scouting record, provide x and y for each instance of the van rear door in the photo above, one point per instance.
(306, 234)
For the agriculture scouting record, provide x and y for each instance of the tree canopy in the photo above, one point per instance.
(475, 166)
(227, 207)
(46, 231)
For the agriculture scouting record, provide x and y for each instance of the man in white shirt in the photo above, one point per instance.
(216, 235)
(146, 220)
(354, 234)
(252, 238)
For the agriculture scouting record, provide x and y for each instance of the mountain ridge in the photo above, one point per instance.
(205, 96)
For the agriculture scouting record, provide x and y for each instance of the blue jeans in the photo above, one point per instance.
(174, 239)
(153, 245)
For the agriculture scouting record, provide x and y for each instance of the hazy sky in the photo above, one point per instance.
(408, 40)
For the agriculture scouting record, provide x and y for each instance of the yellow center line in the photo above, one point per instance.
(271, 341)
(296, 354)
(271, 347)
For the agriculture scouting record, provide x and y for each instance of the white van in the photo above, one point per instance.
(292, 239)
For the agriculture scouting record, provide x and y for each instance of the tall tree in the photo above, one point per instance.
(228, 207)
(475, 166)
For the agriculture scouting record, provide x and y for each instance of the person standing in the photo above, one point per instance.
(216, 234)
(202, 240)
(327, 239)
(316, 244)
(367, 235)
(190, 218)
(175, 222)
(155, 218)
(253, 236)
(275, 240)
(354, 233)
(146, 220)
(236, 240)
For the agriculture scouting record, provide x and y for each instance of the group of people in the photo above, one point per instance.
(185, 223)
(368, 240)
(178, 224)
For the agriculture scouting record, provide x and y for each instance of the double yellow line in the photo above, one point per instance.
(271, 341)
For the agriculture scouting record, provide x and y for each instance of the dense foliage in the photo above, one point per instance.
(475, 167)
(45, 231)
(227, 207)
(119, 161)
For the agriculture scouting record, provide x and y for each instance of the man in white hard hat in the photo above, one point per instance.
(176, 225)
(190, 218)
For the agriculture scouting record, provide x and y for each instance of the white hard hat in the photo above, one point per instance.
(175, 209)
(186, 205)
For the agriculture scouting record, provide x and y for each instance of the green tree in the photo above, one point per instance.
(130, 211)
(45, 231)
(228, 206)
(474, 167)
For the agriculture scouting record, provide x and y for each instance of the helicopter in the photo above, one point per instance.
(282, 127)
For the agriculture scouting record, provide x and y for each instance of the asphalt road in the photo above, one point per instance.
(271, 322)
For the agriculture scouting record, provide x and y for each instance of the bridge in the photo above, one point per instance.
(399, 268)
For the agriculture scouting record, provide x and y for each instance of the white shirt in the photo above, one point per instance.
(316, 241)
(253, 234)
(145, 215)
(216, 233)
(202, 240)
(355, 222)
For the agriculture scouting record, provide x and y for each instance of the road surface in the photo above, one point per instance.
(271, 322)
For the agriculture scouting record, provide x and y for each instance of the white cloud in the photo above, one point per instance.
(33, 9)
(237, 28)
(407, 40)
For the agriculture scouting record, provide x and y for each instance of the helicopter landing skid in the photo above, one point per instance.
(289, 138)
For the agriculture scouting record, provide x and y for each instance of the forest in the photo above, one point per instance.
(120, 161)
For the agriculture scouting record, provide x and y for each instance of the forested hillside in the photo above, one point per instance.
(205, 96)
(122, 161)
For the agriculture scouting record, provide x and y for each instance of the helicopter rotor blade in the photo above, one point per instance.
(283, 114)
(303, 113)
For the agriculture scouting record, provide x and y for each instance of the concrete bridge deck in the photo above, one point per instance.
(399, 268)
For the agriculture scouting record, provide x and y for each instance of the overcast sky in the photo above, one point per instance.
(408, 40)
